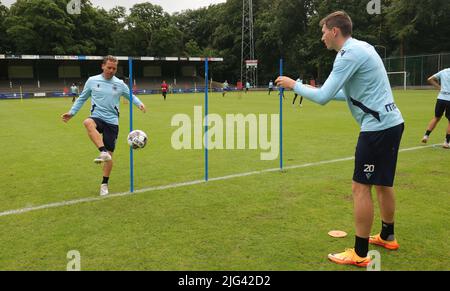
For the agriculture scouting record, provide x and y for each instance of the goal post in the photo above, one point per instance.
(398, 79)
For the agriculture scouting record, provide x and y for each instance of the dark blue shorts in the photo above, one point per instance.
(376, 156)
(441, 107)
(109, 132)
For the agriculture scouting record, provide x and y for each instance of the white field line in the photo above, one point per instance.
(178, 185)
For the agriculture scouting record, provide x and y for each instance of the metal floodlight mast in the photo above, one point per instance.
(248, 73)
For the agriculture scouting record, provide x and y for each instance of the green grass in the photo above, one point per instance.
(272, 221)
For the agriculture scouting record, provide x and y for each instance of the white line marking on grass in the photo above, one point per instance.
(178, 185)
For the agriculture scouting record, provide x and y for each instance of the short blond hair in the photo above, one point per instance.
(339, 19)
(110, 58)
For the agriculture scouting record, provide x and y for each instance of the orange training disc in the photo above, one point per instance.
(337, 233)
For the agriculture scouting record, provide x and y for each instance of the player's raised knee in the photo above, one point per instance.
(88, 123)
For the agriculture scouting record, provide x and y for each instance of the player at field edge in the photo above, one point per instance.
(103, 124)
(225, 88)
(247, 87)
(360, 78)
(270, 86)
(296, 95)
(164, 88)
(74, 92)
(442, 104)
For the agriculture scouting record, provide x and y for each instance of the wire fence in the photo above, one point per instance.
(417, 68)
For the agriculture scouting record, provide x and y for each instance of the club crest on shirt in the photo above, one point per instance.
(115, 88)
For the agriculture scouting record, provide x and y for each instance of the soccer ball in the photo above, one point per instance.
(137, 139)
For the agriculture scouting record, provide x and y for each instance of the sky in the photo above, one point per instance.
(169, 6)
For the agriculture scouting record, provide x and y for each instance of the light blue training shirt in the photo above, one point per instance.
(105, 98)
(444, 77)
(360, 78)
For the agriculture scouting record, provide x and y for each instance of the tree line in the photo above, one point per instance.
(282, 28)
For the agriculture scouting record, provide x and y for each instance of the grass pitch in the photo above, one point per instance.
(270, 221)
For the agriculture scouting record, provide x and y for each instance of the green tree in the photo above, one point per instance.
(167, 41)
(39, 27)
(280, 29)
(288, 29)
(196, 25)
(226, 39)
(419, 26)
(4, 41)
(315, 59)
(93, 30)
(122, 38)
(191, 48)
(216, 31)
(151, 31)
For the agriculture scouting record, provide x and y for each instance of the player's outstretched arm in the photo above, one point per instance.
(126, 94)
(433, 81)
(66, 117)
(79, 102)
(285, 82)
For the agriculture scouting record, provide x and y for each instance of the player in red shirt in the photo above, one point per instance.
(164, 88)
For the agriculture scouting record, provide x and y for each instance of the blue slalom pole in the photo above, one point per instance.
(281, 117)
(130, 64)
(206, 117)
